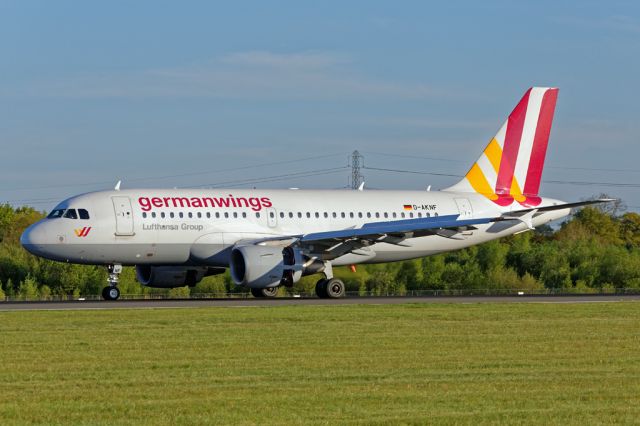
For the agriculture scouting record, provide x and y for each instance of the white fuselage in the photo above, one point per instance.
(199, 227)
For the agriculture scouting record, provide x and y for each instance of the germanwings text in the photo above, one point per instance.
(255, 203)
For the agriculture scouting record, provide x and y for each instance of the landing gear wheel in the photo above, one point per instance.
(264, 292)
(334, 288)
(110, 293)
(321, 289)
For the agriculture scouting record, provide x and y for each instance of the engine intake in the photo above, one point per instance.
(257, 266)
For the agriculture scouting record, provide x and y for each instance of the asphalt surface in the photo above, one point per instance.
(251, 302)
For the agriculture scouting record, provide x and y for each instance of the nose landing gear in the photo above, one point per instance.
(112, 292)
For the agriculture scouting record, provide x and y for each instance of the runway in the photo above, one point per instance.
(251, 302)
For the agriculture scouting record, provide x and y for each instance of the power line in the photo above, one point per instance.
(449, 160)
(274, 163)
(272, 178)
(411, 172)
(559, 182)
(582, 183)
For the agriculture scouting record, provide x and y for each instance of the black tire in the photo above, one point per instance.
(264, 292)
(110, 293)
(334, 288)
(321, 289)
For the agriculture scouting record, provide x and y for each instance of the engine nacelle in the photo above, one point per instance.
(257, 266)
(172, 276)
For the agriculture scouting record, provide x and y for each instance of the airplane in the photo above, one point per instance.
(271, 238)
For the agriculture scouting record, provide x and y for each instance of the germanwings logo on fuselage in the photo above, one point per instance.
(230, 201)
(82, 232)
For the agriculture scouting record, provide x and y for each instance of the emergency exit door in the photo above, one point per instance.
(124, 215)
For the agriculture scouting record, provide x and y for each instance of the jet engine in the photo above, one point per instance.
(258, 266)
(173, 276)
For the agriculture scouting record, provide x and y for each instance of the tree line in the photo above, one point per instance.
(594, 250)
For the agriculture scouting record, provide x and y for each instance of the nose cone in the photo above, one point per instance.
(34, 239)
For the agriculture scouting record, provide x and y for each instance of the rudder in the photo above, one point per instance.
(510, 167)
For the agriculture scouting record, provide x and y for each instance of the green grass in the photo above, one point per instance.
(402, 364)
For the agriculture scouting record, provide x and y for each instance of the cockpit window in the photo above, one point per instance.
(56, 214)
(83, 214)
(71, 214)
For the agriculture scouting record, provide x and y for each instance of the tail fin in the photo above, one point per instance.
(510, 168)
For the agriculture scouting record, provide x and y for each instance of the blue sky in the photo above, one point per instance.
(176, 94)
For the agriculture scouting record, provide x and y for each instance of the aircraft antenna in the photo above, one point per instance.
(357, 162)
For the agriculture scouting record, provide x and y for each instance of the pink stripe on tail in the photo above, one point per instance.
(539, 150)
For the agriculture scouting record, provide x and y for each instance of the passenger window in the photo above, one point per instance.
(208, 215)
(190, 215)
(171, 215)
(386, 215)
(217, 215)
(272, 215)
(326, 215)
(351, 215)
(181, 215)
(153, 215)
(377, 214)
(235, 215)
(257, 215)
(402, 215)
(436, 214)
(368, 214)
(317, 215)
(71, 214)
(359, 214)
(308, 215)
(199, 215)
(343, 215)
(394, 215)
(411, 214)
(290, 215)
(281, 215)
(299, 215)
(56, 214)
(419, 214)
(334, 215)
(144, 215)
(226, 215)
(428, 214)
(162, 215)
(83, 214)
(244, 214)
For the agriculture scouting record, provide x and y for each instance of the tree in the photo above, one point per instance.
(28, 289)
(630, 229)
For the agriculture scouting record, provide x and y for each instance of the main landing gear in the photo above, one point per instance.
(331, 288)
(112, 292)
(264, 292)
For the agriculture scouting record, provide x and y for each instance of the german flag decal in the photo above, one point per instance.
(408, 207)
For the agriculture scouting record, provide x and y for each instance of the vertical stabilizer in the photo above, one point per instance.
(510, 168)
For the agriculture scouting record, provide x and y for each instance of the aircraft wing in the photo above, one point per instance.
(332, 244)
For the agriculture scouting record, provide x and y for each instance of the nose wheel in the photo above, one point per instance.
(112, 292)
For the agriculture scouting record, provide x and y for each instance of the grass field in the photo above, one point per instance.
(401, 364)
